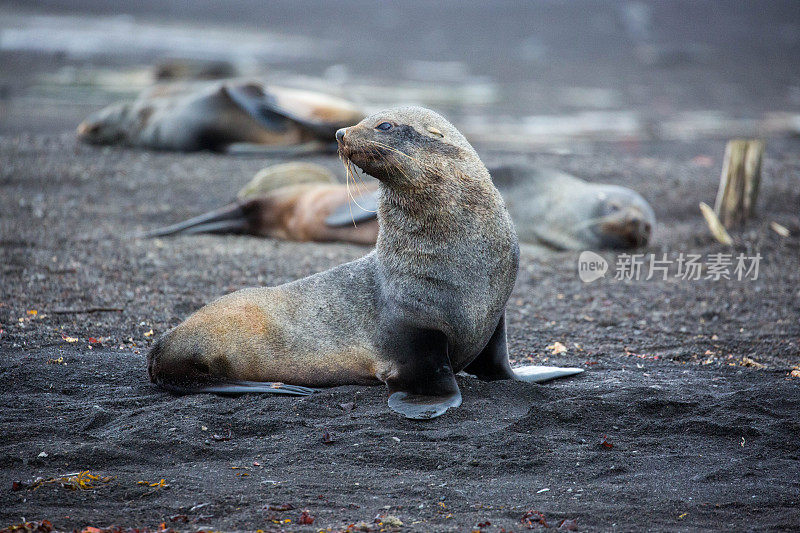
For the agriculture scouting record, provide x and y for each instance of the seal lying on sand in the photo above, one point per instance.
(566, 212)
(288, 201)
(428, 302)
(222, 116)
(554, 208)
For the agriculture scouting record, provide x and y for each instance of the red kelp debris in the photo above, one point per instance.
(29, 527)
(534, 519)
(305, 518)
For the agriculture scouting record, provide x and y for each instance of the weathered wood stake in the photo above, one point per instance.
(738, 185)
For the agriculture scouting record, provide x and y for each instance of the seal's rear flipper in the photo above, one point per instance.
(362, 209)
(229, 219)
(492, 363)
(538, 374)
(239, 387)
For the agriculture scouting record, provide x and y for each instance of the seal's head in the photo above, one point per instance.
(621, 219)
(408, 148)
(107, 126)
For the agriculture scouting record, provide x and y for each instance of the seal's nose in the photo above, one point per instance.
(637, 228)
(83, 128)
(340, 134)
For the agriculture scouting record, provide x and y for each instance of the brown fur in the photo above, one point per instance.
(292, 212)
(302, 210)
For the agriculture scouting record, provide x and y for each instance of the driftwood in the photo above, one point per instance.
(716, 227)
(738, 186)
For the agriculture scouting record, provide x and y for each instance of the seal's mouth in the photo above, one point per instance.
(351, 156)
(628, 227)
(368, 155)
(97, 132)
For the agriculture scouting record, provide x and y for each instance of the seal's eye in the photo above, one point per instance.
(383, 126)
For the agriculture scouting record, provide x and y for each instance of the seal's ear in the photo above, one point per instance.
(362, 209)
(435, 131)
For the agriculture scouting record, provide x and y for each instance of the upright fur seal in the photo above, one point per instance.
(555, 208)
(288, 201)
(221, 115)
(428, 302)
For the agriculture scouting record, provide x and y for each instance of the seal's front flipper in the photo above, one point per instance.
(361, 209)
(265, 108)
(421, 407)
(259, 105)
(423, 385)
(538, 374)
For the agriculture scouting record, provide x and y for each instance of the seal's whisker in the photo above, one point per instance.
(350, 172)
(360, 179)
(347, 171)
(360, 193)
(393, 149)
(394, 163)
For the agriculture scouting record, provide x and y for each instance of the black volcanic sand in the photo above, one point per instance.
(686, 418)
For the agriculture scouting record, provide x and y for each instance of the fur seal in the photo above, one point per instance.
(557, 209)
(428, 302)
(193, 68)
(288, 201)
(566, 212)
(222, 116)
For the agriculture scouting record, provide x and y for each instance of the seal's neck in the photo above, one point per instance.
(445, 211)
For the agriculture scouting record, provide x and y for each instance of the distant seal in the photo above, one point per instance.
(428, 302)
(289, 201)
(220, 117)
(192, 68)
(567, 212)
(557, 209)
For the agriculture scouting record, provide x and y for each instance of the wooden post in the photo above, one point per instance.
(738, 185)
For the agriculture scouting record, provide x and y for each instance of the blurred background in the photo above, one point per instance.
(510, 74)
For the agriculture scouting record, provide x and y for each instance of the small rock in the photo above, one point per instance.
(391, 521)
